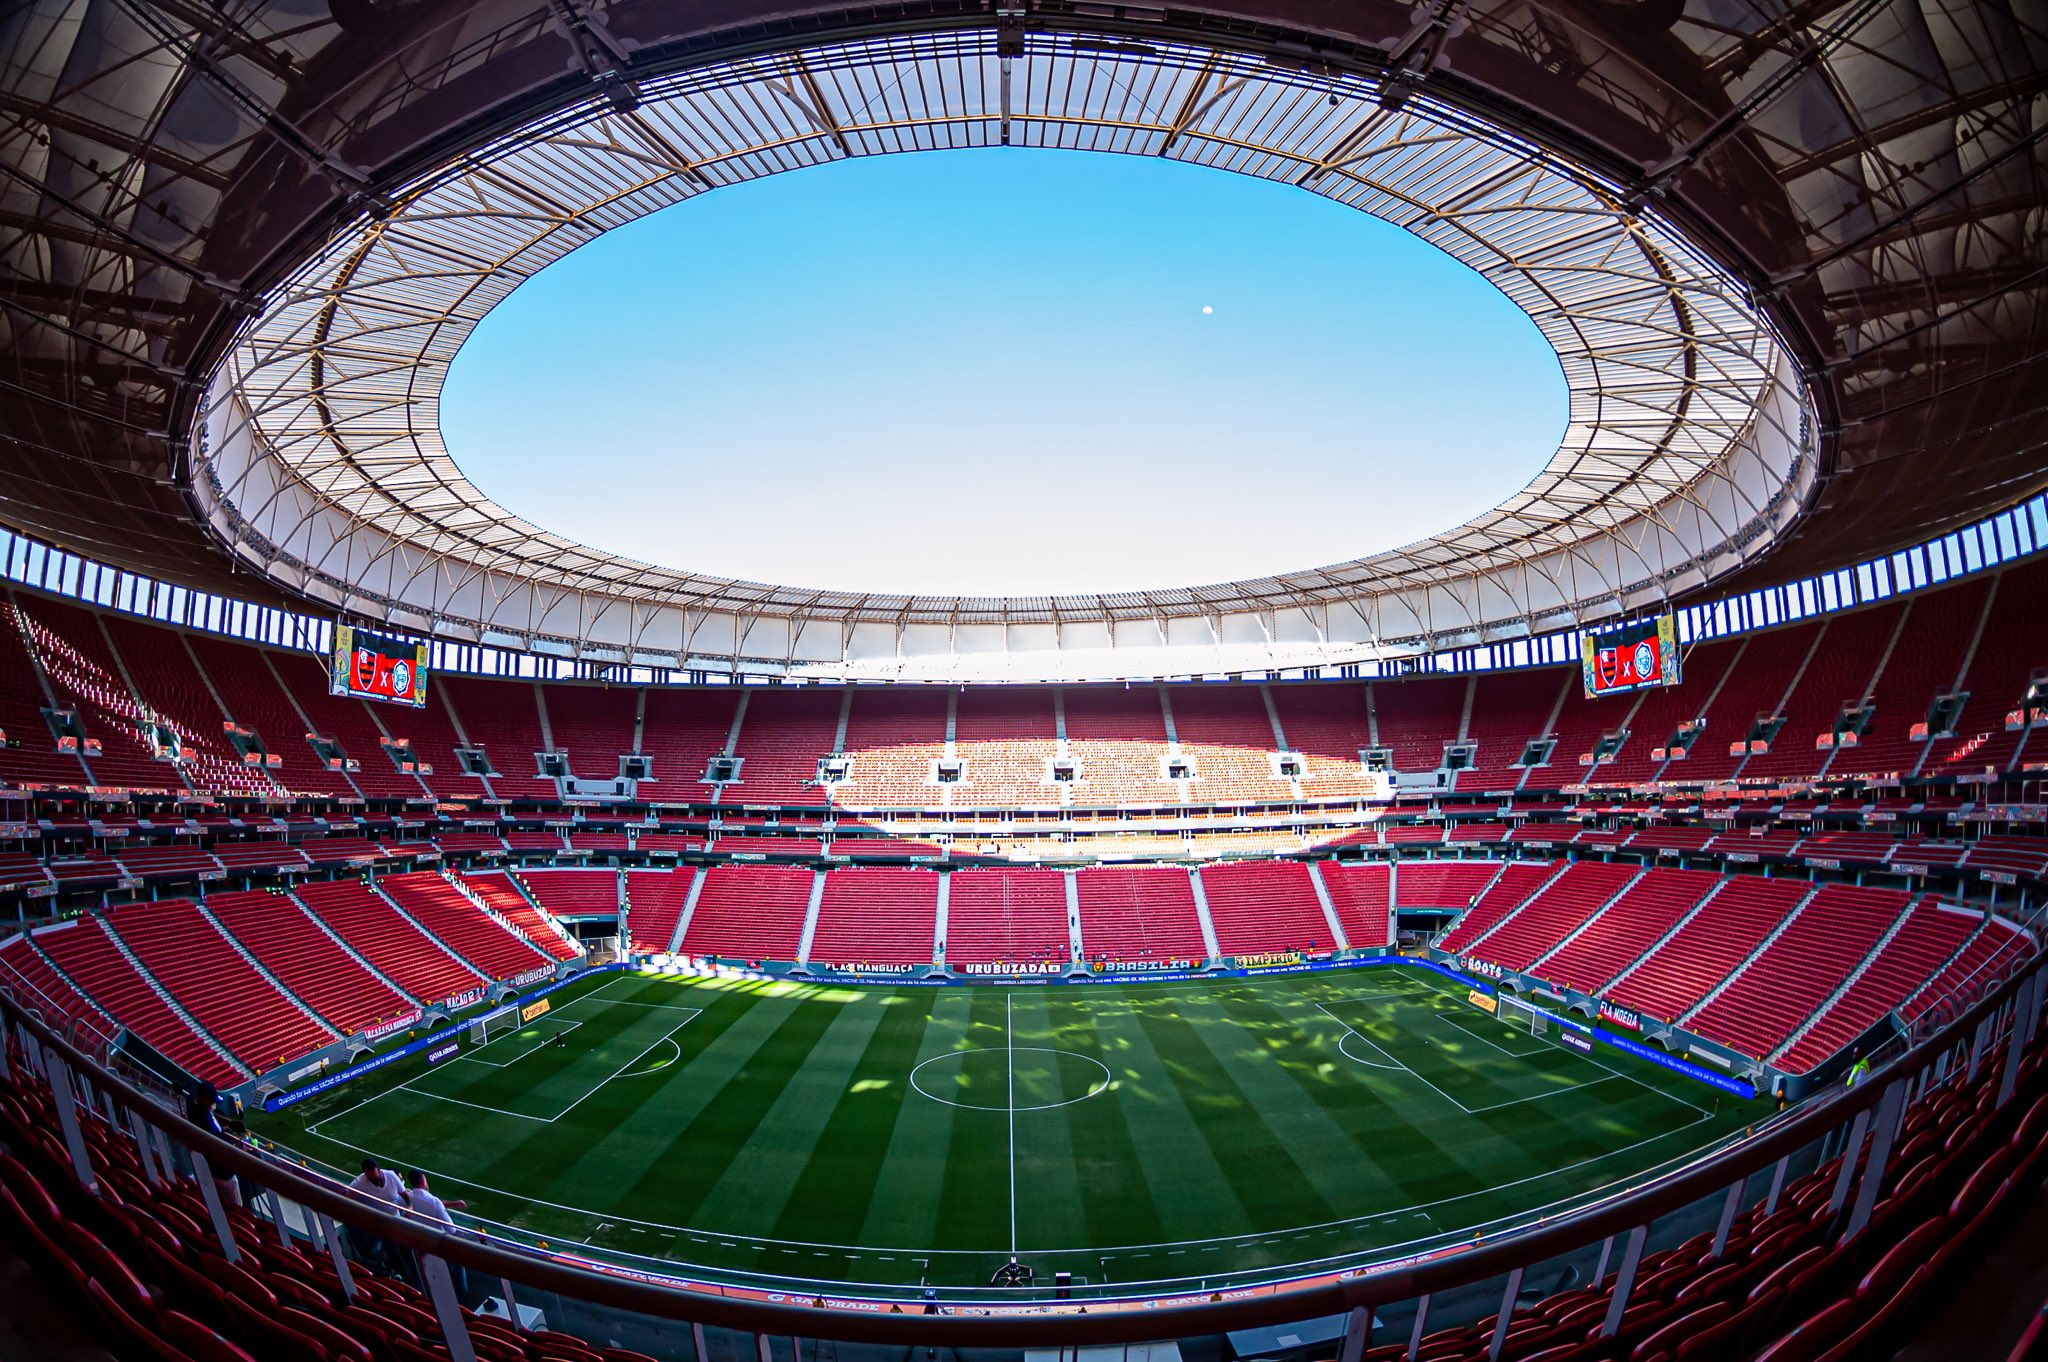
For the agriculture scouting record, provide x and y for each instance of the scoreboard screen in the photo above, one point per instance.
(1631, 657)
(372, 667)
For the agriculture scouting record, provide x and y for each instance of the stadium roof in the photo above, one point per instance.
(1867, 178)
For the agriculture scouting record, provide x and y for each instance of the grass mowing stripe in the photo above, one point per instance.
(1098, 1134)
(830, 1197)
(907, 1197)
(975, 1183)
(1052, 1205)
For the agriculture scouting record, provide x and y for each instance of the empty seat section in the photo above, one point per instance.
(1006, 914)
(240, 1007)
(1326, 723)
(175, 691)
(682, 730)
(785, 732)
(1004, 735)
(1740, 914)
(1508, 710)
(1922, 665)
(30, 755)
(750, 912)
(442, 909)
(1752, 689)
(1358, 890)
(654, 901)
(82, 671)
(95, 964)
(1795, 973)
(278, 932)
(1613, 941)
(878, 916)
(1933, 932)
(1139, 914)
(1555, 912)
(1445, 885)
(166, 863)
(1417, 717)
(349, 722)
(49, 994)
(1227, 733)
(893, 736)
(503, 718)
(2009, 651)
(1118, 736)
(568, 891)
(593, 724)
(1516, 883)
(381, 935)
(1987, 959)
(1259, 907)
(253, 697)
(2023, 856)
(1837, 675)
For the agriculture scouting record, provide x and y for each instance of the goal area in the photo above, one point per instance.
(495, 1026)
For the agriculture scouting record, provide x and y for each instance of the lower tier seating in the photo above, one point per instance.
(442, 909)
(1139, 914)
(223, 992)
(381, 934)
(1006, 914)
(879, 915)
(1263, 907)
(290, 944)
(750, 912)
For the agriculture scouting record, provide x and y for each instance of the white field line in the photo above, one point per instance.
(1010, 1062)
(476, 1056)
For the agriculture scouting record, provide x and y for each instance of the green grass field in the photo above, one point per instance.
(1191, 1131)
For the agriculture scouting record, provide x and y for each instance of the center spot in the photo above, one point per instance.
(1018, 1078)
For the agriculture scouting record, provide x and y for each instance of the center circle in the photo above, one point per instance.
(1010, 1078)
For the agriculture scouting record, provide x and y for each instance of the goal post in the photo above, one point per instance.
(1521, 1016)
(493, 1026)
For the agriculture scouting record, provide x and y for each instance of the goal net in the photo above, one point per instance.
(1522, 1017)
(486, 1029)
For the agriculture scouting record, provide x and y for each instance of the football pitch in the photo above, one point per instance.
(1145, 1135)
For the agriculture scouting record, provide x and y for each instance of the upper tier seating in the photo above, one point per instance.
(1005, 737)
(241, 1008)
(1143, 913)
(1796, 972)
(1518, 880)
(381, 935)
(1508, 710)
(593, 724)
(170, 682)
(1613, 941)
(654, 902)
(29, 756)
(1006, 914)
(893, 736)
(1417, 717)
(503, 718)
(1118, 736)
(290, 944)
(241, 673)
(1327, 724)
(1554, 913)
(1737, 916)
(1358, 891)
(1264, 906)
(442, 909)
(784, 733)
(751, 912)
(882, 915)
(1228, 735)
(81, 670)
(89, 957)
(592, 890)
(683, 730)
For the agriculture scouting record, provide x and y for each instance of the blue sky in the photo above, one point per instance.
(991, 372)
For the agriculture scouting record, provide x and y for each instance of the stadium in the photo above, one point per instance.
(1600, 926)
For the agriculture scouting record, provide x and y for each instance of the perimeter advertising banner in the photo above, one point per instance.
(1631, 657)
(372, 667)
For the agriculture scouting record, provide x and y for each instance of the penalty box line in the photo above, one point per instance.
(476, 1056)
(407, 1086)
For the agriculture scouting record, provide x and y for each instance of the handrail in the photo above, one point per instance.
(1045, 1323)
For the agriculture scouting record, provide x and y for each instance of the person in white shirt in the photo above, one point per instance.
(380, 1185)
(425, 1204)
